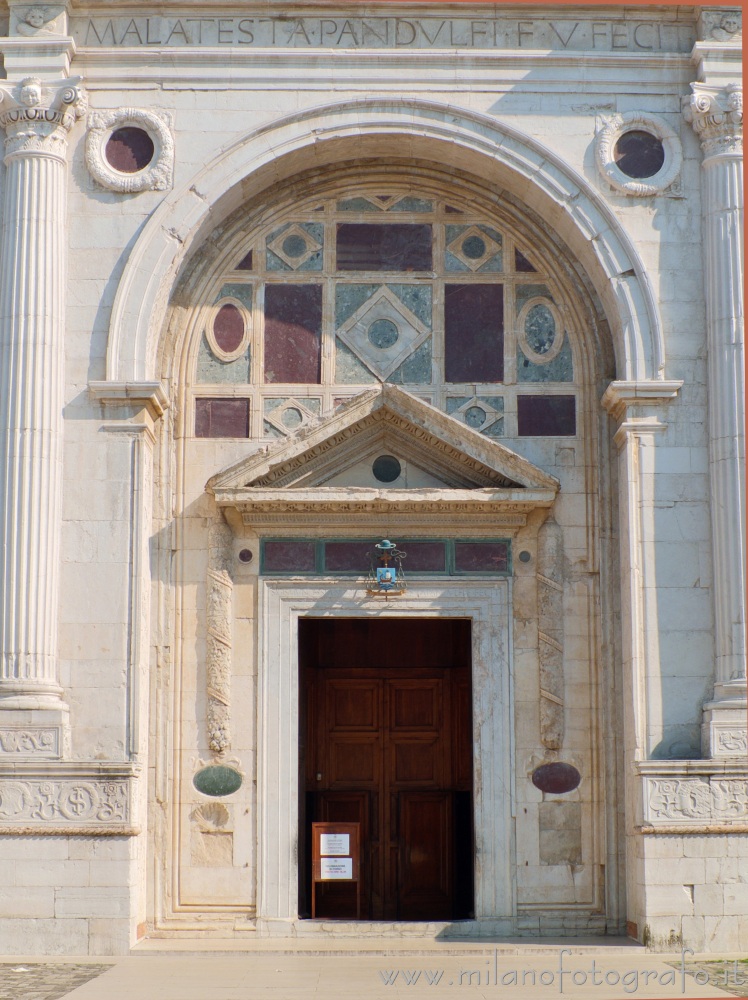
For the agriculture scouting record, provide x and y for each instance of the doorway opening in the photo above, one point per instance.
(385, 738)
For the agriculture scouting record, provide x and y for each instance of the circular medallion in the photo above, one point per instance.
(639, 154)
(294, 245)
(474, 247)
(386, 468)
(129, 149)
(475, 416)
(383, 333)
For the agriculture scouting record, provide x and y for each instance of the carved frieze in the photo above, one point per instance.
(551, 634)
(693, 799)
(92, 799)
(20, 742)
(37, 116)
(156, 175)
(717, 118)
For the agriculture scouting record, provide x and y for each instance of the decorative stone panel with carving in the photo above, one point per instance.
(22, 742)
(149, 133)
(700, 793)
(637, 181)
(83, 799)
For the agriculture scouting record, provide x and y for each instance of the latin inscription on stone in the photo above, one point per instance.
(346, 32)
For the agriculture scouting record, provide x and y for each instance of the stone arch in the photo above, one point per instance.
(460, 139)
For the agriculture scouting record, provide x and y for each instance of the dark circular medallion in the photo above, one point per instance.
(217, 780)
(245, 555)
(294, 245)
(556, 778)
(383, 333)
(639, 154)
(524, 556)
(228, 328)
(474, 247)
(129, 149)
(386, 468)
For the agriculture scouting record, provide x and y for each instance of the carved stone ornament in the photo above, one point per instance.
(605, 144)
(725, 25)
(37, 116)
(550, 578)
(157, 175)
(39, 20)
(717, 118)
(88, 799)
(30, 741)
(218, 626)
(695, 799)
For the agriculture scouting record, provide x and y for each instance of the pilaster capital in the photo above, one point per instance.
(622, 399)
(37, 115)
(716, 115)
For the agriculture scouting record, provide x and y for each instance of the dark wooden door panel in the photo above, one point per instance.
(425, 876)
(390, 748)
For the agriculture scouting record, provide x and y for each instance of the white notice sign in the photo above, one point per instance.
(331, 868)
(335, 844)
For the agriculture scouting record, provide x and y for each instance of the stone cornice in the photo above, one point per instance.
(150, 395)
(620, 396)
(37, 115)
(716, 116)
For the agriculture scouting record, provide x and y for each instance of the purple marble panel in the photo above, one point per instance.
(481, 557)
(556, 778)
(363, 246)
(288, 556)
(293, 329)
(245, 264)
(228, 328)
(347, 557)
(129, 149)
(474, 333)
(521, 263)
(216, 418)
(546, 416)
(424, 557)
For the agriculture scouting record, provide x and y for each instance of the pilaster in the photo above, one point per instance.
(37, 118)
(716, 114)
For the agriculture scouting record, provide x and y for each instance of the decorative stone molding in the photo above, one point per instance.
(717, 118)
(219, 652)
(157, 175)
(721, 25)
(621, 396)
(151, 395)
(83, 799)
(39, 20)
(700, 793)
(37, 116)
(612, 130)
(551, 633)
(18, 742)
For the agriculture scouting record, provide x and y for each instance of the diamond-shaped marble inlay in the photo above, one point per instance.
(294, 246)
(473, 247)
(383, 332)
(477, 413)
(289, 415)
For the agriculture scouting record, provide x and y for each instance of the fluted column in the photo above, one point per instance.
(37, 118)
(717, 118)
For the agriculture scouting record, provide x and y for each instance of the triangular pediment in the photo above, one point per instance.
(438, 452)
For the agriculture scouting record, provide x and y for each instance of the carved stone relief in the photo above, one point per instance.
(551, 634)
(212, 840)
(703, 798)
(605, 153)
(40, 20)
(219, 652)
(717, 118)
(30, 742)
(70, 800)
(37, 116)
(157, 175)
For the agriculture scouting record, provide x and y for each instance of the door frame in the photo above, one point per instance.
(281, 604)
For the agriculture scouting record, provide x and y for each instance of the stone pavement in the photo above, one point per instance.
(264, 973)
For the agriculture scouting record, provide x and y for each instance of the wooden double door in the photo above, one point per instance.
(387, 743)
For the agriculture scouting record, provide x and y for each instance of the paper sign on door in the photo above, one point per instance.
(331, 868)
(334, 843)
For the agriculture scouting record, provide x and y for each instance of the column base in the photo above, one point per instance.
(724, 730)
(33, 732)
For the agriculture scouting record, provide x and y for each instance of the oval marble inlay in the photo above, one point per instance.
(556, 778)
(228, 328)
(217, 780)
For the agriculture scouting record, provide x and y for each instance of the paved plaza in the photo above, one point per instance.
(364, 972)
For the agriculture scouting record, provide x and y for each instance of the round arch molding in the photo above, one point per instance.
(326, 135)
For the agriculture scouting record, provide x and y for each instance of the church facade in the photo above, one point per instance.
(280, 289)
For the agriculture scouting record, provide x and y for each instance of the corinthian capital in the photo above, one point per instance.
(717, 118)
(37, 116)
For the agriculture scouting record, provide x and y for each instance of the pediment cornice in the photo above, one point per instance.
(481, 477)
